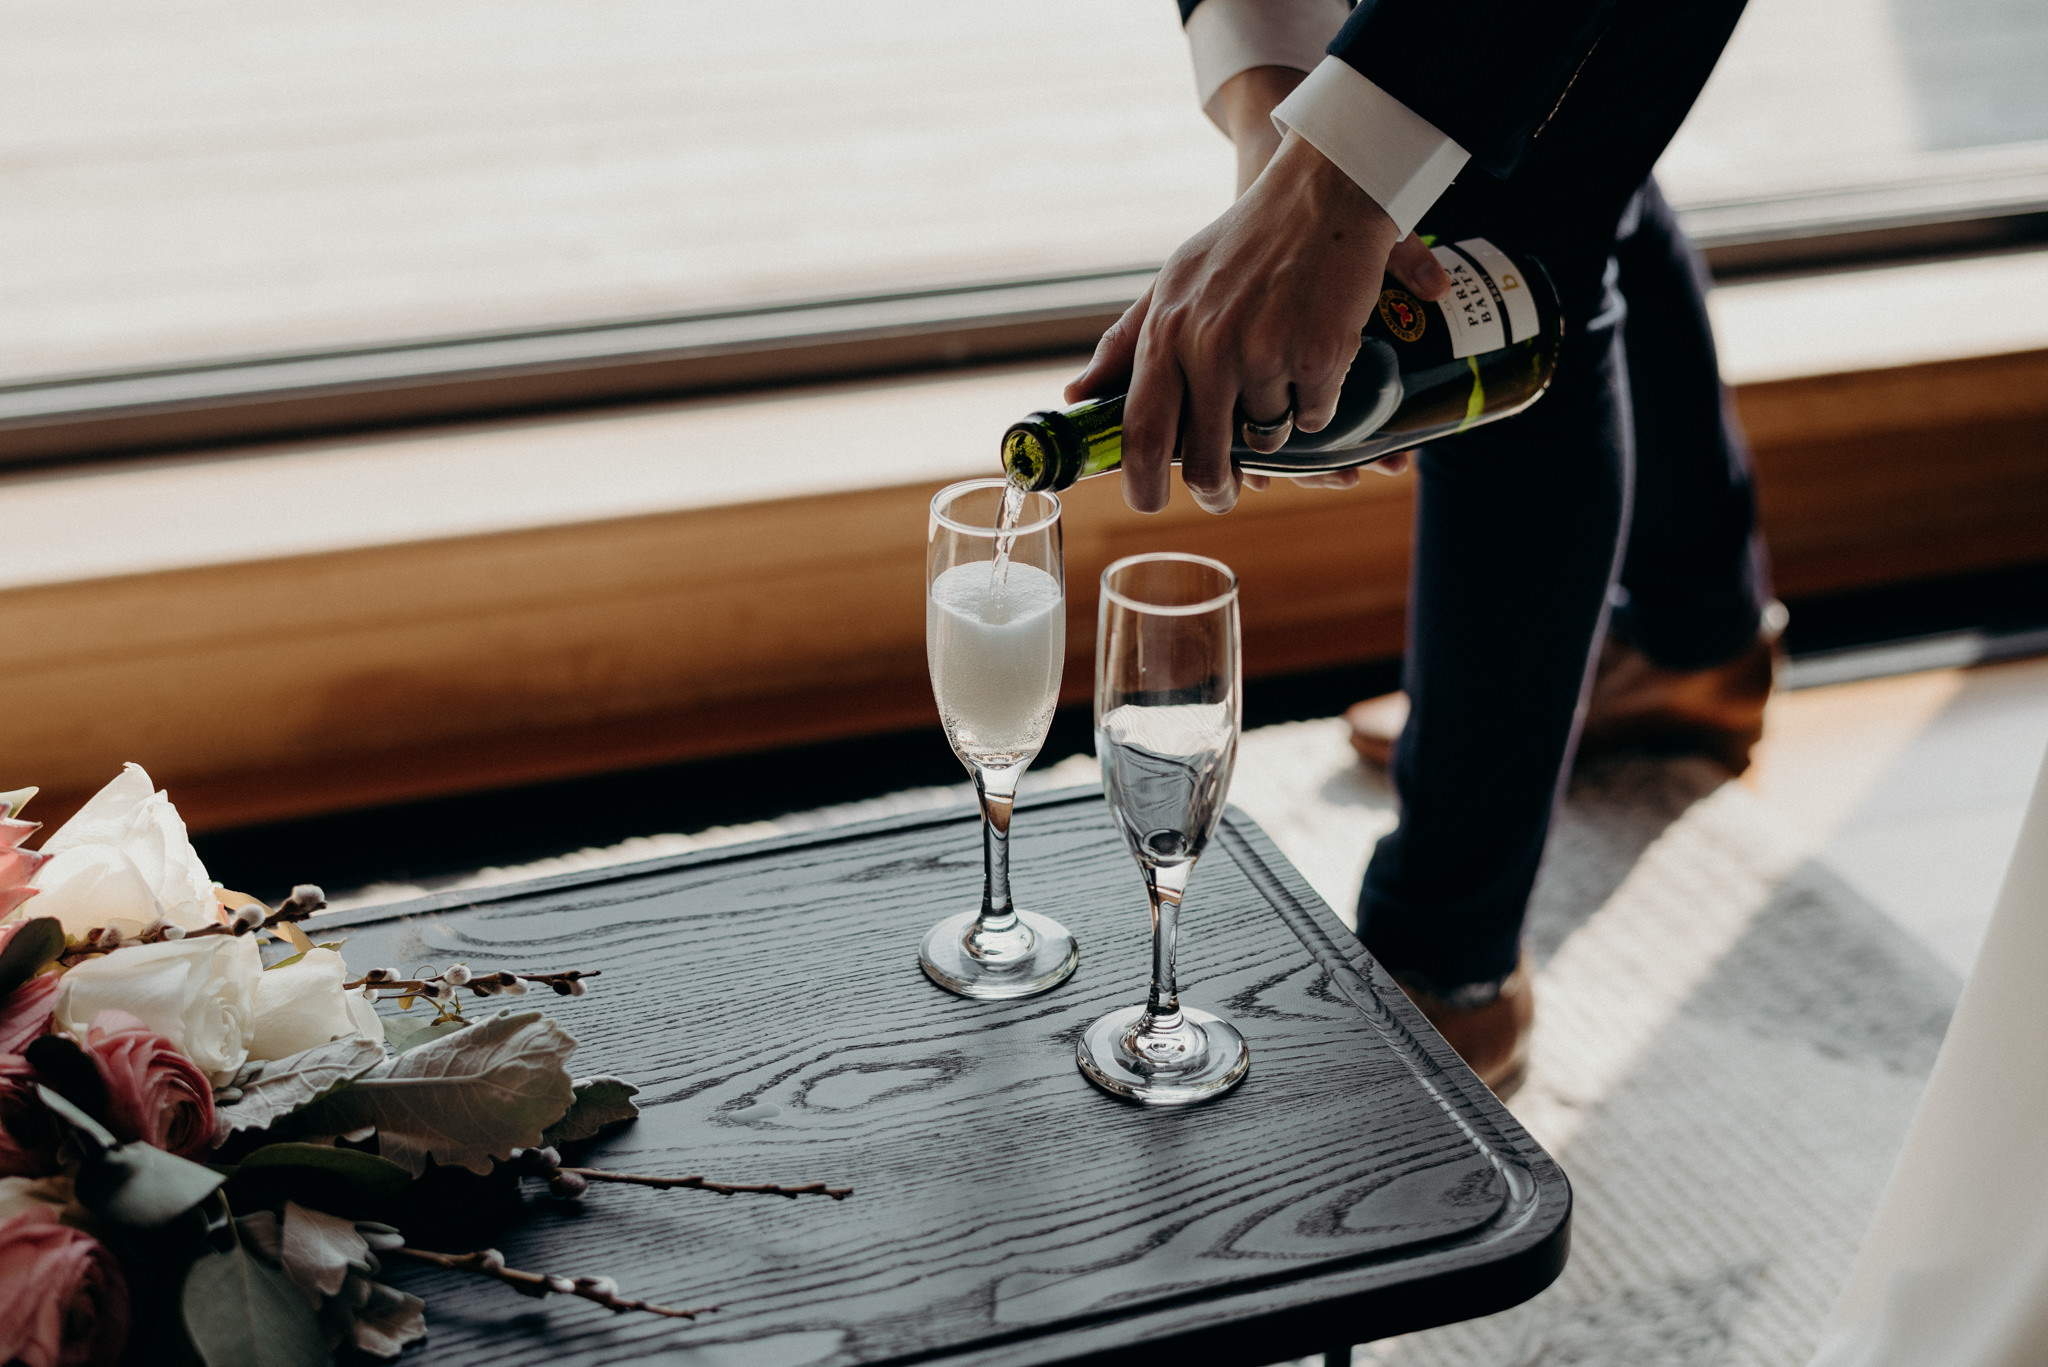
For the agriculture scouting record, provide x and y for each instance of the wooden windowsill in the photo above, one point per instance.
(295, 629)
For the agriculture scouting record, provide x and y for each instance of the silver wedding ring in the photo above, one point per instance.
(1269, 429)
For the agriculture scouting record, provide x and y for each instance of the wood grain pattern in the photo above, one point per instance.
(767, 1000)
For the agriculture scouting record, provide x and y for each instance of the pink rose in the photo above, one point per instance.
(154, 1093)
(28, 1132)
(63, 1302)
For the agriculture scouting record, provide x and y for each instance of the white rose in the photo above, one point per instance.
(302, 1006)
(124, 861)
(198, 994)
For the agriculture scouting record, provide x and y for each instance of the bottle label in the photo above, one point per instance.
(1507, 277)
(1489, 305)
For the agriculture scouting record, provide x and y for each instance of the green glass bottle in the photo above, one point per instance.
(1424, 370)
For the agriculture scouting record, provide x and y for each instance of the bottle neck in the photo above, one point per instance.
(1051, 450)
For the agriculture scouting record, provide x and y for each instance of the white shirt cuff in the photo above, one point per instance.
(1229, 36)
(1391, 152)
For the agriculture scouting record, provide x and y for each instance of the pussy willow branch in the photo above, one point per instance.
(488, 1262)
(699, 1183)
(246, 919)
(480, 983)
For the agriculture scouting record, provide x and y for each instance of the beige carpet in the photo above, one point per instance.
(1730, 1042)
(1729, 1045)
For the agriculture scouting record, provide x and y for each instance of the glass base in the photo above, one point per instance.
(1035, 956)
(1202, 1059)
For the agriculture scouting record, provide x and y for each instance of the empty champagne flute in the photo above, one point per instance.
(995, 638)
(1167, 715)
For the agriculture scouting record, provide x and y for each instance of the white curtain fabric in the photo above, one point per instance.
(1954, 1271)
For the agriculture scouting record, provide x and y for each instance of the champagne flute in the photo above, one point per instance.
(1167, 715)
(995, 638)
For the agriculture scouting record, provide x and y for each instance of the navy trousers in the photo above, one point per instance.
(1625, 489)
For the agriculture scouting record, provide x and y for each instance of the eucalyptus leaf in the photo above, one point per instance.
(39, 941)
(601, 1102)
(241, 1312)
(61, 1063)
(464, 1099)
(404, 1032)
(99, 1135)
(137, 1185)
(278, 1088)
(316, 1171)
(142, 1187)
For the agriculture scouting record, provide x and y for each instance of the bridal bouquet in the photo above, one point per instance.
(212, 1142)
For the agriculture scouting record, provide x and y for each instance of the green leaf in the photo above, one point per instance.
(464, 1099)
(61, 1063)
(99, 1135)
(39, 941)
(137, 1185)
(143, 1187)
(404, 1032)
(324, 1176)
(601, 1102)
(242, 1313)
(272, 1091)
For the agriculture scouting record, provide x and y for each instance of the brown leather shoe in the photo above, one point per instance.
(1636, 705)
(1716, 712)
(1493, 1039)
(1375, 725)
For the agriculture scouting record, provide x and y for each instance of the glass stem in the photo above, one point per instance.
(1165, 886)
(997, 791)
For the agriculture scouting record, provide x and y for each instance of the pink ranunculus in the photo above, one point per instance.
(154, 1093)
(63, 1302)
(29, 1134)
(25, 1012)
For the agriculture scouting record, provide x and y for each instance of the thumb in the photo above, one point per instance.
(1415, 266)
(1109, 369)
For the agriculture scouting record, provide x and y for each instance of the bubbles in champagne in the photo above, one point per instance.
(995, 653)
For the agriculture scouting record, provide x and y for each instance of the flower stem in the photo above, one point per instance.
(488, 1262)
(701, 1183)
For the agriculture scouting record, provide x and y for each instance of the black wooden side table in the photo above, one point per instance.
(767, 1000)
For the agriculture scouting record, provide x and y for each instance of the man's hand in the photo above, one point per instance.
(1245, 104)
(1256, 316)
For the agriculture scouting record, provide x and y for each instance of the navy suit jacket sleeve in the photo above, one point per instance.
(1487, 73)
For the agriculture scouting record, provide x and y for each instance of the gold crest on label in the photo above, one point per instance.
(1403, 315)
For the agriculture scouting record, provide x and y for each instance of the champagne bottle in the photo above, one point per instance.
(1484, 352)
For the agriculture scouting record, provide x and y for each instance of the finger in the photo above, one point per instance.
(1256, 483)
(1109, 368)
(1266, 404)
(1415, 266)
(1331, 479)
(1396, 464)
(1207, 425)
(1151, 420)
(1317, 388)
